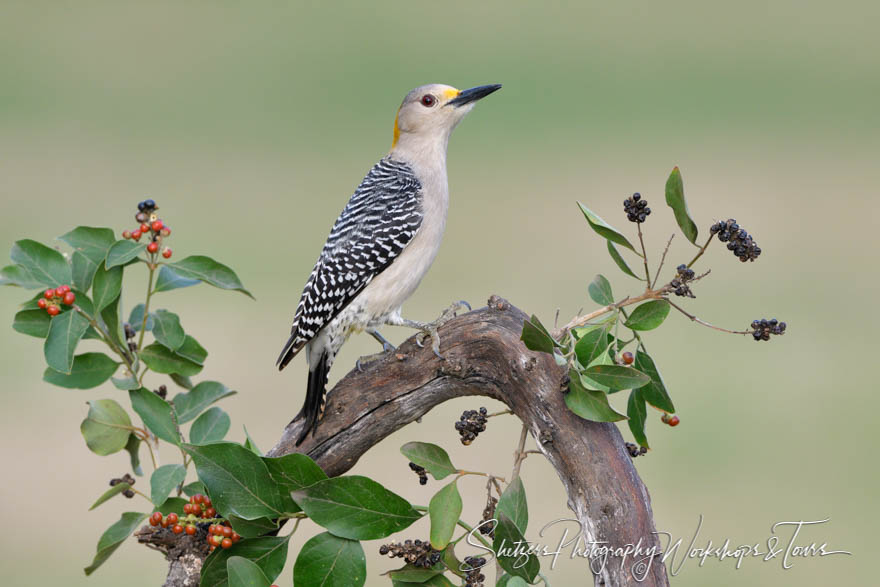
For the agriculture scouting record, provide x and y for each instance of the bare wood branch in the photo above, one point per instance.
(484, 356)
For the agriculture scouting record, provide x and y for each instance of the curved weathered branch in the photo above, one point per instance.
(484, 356)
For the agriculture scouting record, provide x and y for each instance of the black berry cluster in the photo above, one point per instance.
(738, 240)
(420, 471)
(471, 423)
(762, 329)
(636, 208)
(472, 566)
(487, 527)
(150, 226)
(415, 552)
(680, 283)
(161, 392)
(124, 479)
(635, 450)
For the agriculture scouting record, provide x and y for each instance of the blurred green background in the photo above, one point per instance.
(251, 123)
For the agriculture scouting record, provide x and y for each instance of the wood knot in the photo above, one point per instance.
(545, 437)
(453, 366)
(498, 303)
(530, 363)
(400, 356)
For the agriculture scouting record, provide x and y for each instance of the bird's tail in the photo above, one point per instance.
(315, 390)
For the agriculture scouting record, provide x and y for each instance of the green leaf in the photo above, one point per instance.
(156, 413)
(211, 426)
(114, 536)
(92, 243)
(268, 552)
(675, 200)
(600, 291)
(410, 574)
(210, 271)
(172, 504)
(136, 318)
(191, 489)
(638, 414)
(106, 286)
(330, 561)
(106, 427)
(244, 573)
(355, 507)
(591, 345)
(112, 492)
(182, 381)
(167, 329)
(513, 504)
(133, 447)
(617, 377)
(65, 331)
(168, 279)
(192, 351)
(444, 511)
(164, 480)
(589, 404)
(252, 528)
(250, 444)
(19, 276)
(655, 392)
(508, 581)
(506, 537)
(89, 370)
(648, 316)
(433, 458)
(291, 473)
(162, 360)
(603, 229)
(112, 318)
(32, 323)
(122, 252)
(536, 337)
(82, 271)
(237, 480)
(191, 403)
(43, 264)
(125, 383)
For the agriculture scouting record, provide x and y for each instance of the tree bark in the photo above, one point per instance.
(484, 356)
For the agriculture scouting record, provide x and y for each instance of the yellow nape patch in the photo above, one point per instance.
(451, 93)
(396, 130)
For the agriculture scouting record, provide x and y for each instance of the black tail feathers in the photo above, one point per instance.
(314, 403)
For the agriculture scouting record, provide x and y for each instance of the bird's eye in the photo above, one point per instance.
(428, 100)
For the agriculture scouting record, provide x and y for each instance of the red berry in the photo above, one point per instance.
(664, 418)
(126, 234)
(177, 529)
(153, 247)
(53, 310)
(42, 303)
(166, 253)
(49, 294)
(187, 508)
(69, 298)
(206, 500)
(165, 523)
(190, 529)
(145, 227)
(216, 540)
(156, 518)
(226, 543)
(166, 231)
(65, 288)
(172, 518)
(157, 225)
(235, 537)
(59, 291)
(674, 421)
(212, 548)
(136, 235)
(197, 498)
(226, 531)
(628, 358)
(210, 513)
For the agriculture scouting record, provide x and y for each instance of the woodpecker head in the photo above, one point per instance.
(429, 113)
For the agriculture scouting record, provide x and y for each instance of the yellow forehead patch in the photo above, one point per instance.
(451, 93)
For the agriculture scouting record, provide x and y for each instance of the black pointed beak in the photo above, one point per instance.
(473, 94)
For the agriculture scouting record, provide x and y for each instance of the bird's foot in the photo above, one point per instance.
(368, 360)
(430, 329)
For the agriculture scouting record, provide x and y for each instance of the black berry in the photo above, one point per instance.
(636, 208)
(415, 552)
(471, 423)
(738, 240)
(762, 329)
(420, 471)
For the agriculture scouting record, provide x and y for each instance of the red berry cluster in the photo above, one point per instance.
(221, 535)
(670, 419)
(53, 298)
(151, 226)
(200, 506)
(627, 358)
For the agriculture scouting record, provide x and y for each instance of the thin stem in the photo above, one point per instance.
(644, 253)
(141, 494)
(520, 455)
(662, 259)
(462, 523)
(140, 344)
(637, 335)
(651, 294)
(501, 413)
(152, 454)
(462, 473)
(105, 336)
(701, 251)
(712, 326)
(141, 379)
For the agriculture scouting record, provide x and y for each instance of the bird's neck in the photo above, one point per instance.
(425, 154)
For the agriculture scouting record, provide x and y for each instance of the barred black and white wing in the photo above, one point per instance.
(379, 221)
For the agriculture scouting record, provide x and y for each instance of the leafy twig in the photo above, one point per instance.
(704, 323)
(701, 251)
(662, 259)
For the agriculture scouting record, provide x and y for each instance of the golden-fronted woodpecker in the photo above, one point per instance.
(383, 242)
